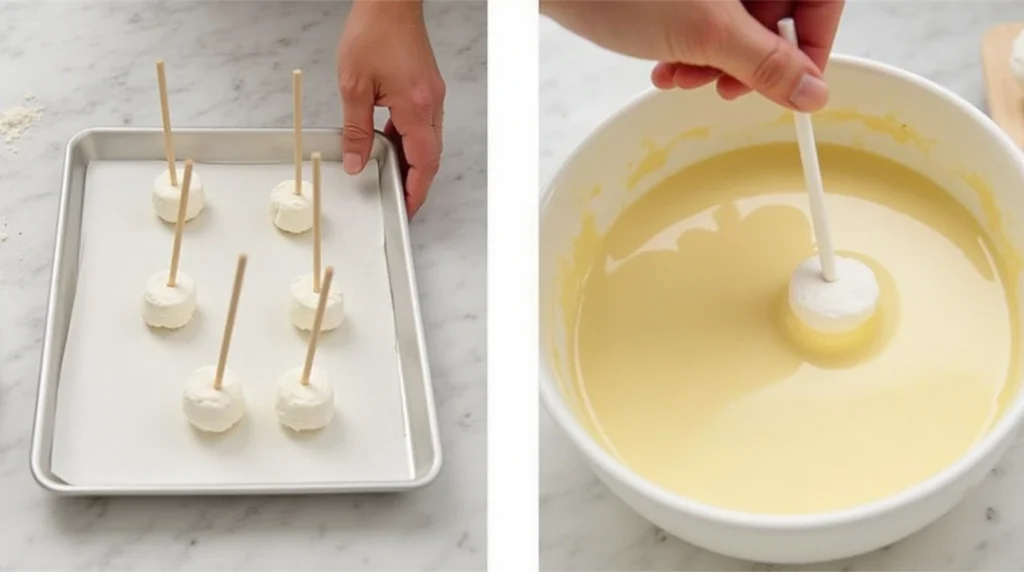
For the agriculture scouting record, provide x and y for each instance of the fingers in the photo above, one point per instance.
(762, 60)
(418, 124)
(392, 134)
(403, 167)
(661, 75)
(690, 77)
(357, 109)
(730, 88)
(396, 139)
(667, 75)
(768, 14)
(816, 24)
(417, 183)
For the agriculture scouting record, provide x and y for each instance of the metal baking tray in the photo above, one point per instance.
(236, 146)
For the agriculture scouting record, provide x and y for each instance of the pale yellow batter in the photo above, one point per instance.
(683, 362)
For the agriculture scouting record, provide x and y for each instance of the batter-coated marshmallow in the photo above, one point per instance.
(304, 407)
(292, 213)
(166, 306)
(833, 307)
(1017, 59)
(210, 409)
(304, 302)
(166, 198)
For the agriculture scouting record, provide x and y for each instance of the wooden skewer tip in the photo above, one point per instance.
(229, 324)
(179, 225)
(318, 320)
(165, 117)
(297, 127)
(317, 249)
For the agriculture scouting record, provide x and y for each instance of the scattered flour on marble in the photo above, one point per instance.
(15, 120)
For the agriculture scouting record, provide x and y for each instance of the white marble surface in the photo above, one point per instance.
(91, 64)
(583, 526)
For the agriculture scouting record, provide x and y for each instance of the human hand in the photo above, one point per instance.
(731, 42)
(385, 59)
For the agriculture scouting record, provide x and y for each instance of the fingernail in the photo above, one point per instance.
(811, 94)
(352, 163)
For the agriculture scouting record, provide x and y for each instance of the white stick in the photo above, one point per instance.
(812, 176)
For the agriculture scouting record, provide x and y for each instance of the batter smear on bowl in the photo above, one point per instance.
(693, 372)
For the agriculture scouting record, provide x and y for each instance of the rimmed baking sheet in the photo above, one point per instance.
(109, 416)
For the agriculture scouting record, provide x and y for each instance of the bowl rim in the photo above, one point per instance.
(557, 407)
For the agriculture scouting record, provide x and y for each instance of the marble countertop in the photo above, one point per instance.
(91, 64)
(583, 525)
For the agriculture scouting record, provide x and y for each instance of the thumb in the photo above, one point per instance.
(765, 62)
(357, 134)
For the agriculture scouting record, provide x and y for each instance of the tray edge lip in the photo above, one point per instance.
(47, 480)
(428, 378)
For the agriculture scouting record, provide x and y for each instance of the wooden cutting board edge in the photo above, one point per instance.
(1004, 96)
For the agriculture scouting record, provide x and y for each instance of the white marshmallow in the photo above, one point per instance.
(166, 306)
(210, 409)
(304, 407)
(292, 213)
(836, 307)
(1017, 59)
(304, 302)
(166, 198)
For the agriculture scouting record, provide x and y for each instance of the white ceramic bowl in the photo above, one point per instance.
(880, 108)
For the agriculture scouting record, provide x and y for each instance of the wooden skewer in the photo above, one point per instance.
(1003, 93)
(229, 326)
(318, 321)
(297, 126)
(165, 112)
(316, 222)
(179, 225)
